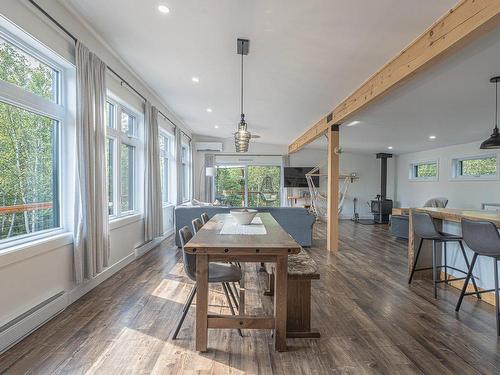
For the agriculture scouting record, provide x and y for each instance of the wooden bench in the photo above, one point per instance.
(301, 270)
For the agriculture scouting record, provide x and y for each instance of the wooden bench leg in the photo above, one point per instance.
(299, 310)
(270, 290)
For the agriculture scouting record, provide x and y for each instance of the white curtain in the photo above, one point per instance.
(178, 163)
(91, 233)
(153, 206)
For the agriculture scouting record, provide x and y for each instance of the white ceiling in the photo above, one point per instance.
(453, 101)
(305, 56)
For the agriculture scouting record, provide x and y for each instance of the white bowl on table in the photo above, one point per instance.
(243, 216)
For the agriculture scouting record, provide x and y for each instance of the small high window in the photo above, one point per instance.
(480, 167)
(426, 171)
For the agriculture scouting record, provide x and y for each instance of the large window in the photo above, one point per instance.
(31, 116)
(185, 172)
(121, 159)
(480, 167)
(251, 186)
(425, 171)
(165, 170)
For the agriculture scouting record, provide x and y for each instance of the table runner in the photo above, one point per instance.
(256, 227)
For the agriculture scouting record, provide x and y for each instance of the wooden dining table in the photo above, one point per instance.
(209, 245)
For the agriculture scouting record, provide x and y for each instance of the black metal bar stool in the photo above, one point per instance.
(426, 229)
(483, 239)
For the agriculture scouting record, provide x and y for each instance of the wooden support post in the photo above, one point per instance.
(332, 241)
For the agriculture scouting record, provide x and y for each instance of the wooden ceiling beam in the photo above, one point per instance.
(467, 20)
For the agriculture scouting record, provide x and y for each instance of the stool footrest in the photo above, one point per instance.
(480, 292)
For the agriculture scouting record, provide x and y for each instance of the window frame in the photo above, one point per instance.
(414, 165)
(456, 176)
(121, 138)
(57, 110)
(168, 158)
(185, 168)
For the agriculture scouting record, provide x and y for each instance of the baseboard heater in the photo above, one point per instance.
(16, 329)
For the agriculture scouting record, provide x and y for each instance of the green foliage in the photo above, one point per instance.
(478, 167)
(26, 146)
(263, 186)
(426, 170)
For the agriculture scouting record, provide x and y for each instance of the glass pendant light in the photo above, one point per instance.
(242, 136)
(494, 140)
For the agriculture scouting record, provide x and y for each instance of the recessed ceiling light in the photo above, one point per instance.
(389, 147)
(195, 79)
(432, 137)
(163, 9)
(209, 110)
(352, 123)
(216, 126)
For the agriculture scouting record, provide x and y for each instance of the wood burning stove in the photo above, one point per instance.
(381, 207)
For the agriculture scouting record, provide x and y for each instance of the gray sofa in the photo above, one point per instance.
(298, 222)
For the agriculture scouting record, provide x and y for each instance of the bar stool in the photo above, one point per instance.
(426, 229)
(217, 273)
(197, 225)
(483, 239)
(204, 218)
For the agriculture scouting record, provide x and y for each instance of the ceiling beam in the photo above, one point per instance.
(467, 20)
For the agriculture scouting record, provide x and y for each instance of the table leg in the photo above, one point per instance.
(280, 300)
(201, 302)
(241, 309)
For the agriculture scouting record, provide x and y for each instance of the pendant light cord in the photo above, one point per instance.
(496, 104)
(242, 79)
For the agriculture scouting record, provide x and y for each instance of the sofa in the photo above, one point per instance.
(296, 221)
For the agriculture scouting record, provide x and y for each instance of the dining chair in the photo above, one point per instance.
(197, 224)
(426, 229)
(483, 239)
(217, 273)
(205, 218)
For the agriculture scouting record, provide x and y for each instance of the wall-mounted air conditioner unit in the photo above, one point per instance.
(208, 146)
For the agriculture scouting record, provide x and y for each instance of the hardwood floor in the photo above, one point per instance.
(371, 322)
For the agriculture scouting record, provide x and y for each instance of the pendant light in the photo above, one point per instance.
(494, 140)
(242, 136)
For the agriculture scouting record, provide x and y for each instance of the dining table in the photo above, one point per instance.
(221, 239)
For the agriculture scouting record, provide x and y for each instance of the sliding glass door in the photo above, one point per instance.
(250, 186)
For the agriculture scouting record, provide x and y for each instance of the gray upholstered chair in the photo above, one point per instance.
(426, 229)
(204, 218)
(217, 273)
(483, 239)
(437, 202)
(197, 224)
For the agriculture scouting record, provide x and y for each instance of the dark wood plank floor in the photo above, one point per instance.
(371, 322)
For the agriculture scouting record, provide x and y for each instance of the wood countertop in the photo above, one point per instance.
(457, 214)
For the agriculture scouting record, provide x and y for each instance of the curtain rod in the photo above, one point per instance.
(123, 81)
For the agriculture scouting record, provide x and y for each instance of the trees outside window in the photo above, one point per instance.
(252, 186)
(477, 167)
(424, 171)
(29, 142)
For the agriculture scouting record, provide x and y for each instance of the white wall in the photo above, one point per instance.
(365, 165)
(32, 273)
(461, 194)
